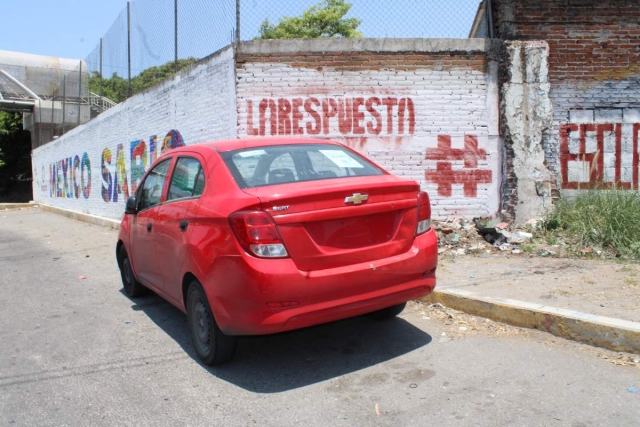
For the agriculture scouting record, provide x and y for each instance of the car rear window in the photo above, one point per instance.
(283, 164)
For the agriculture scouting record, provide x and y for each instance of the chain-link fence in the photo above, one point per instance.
(161, 33)
(53, 96)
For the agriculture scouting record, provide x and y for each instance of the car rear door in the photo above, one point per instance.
(143, 232)
(174, 220)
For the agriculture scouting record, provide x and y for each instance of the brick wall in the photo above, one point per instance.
(93, 168)
(422, 109)
(594, 71)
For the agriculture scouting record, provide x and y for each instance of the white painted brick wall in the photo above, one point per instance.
(615, 103)
(198, 102)
(453, 103)
(209, 102)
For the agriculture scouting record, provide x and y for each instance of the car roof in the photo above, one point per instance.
(238, 144)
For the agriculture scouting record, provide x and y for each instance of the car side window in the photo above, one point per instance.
(151, 190)
(187, 179)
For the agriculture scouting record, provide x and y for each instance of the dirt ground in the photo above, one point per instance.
(540, 270)
(456, 325)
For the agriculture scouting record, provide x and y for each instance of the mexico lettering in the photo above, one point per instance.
(70, 177)
(340, 115)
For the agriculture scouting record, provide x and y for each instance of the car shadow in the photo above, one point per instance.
(289, 360)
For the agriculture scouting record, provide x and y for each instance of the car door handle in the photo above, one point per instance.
(183, 225)
(149, 227)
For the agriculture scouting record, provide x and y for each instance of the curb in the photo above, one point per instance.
(92, 219)
(599, 331)
(11, 206)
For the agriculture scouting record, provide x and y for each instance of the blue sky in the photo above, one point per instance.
(73, 28)
(63, 28)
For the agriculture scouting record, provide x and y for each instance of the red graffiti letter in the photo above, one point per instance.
(271, 106)
(329, 109)
(376, 128)
(390, 103)
(406, 105)
(345, 116)
(296, 116)
(358, 116)
(284, 117)
(308, 107)
(251, 130)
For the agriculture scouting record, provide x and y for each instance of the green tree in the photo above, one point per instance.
(116, 88)
(325, 19)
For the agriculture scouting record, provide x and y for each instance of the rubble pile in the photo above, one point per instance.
(461, 237)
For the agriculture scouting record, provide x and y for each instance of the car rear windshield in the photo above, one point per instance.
(282, 164)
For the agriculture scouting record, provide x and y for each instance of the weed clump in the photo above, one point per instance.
(606, 218)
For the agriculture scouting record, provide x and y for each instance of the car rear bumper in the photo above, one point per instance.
(241, 287)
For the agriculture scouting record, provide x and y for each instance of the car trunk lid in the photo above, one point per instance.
(337, 222)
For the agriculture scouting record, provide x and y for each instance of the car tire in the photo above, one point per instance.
(212, 345)
(388, 313)
(131, 286)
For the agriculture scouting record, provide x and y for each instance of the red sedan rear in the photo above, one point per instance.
(261, 236)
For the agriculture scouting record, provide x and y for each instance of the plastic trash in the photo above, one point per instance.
(520, 237)
(633, 389)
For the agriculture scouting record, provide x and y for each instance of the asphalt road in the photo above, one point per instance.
(76, 351)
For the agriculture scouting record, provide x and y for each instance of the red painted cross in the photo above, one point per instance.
(445, 176)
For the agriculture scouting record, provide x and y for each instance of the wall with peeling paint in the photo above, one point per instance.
(526, 115)
(594, 80)
(423, 109)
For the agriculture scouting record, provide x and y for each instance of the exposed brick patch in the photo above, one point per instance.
(368, 61)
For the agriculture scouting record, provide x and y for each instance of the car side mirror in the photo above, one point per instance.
(130, 207)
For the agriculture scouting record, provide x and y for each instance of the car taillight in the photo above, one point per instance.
(257, 234)
(424, 213)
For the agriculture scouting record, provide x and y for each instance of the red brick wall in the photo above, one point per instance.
(594, 76)
(367, 61)
(588, 39)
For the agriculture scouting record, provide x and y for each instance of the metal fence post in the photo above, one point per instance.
(53, 125)
(175, 40)
(79, 91)
(238, 20)
(489, 16)
(64, 100)
(129, 44)
(101, 68)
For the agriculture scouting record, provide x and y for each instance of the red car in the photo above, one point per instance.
(258, 236)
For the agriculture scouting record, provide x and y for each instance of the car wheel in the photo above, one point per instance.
(132, 287)
(388, 313)
(212, 345)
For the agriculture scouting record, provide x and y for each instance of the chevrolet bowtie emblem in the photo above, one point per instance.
(356, 199)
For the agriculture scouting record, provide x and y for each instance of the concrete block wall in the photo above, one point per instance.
(93, 168)
(423, 109)
(594, 76)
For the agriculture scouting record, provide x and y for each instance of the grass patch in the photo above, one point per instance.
(528, 249)
(603, 218)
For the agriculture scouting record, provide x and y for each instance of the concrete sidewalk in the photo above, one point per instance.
(587, 300)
